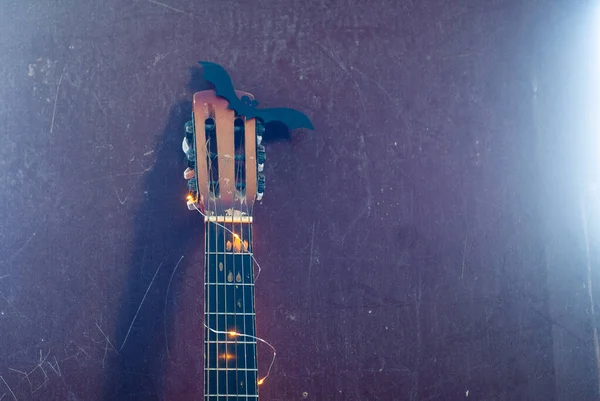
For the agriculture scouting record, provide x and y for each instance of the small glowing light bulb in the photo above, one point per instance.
(236, 236)
(190, 197)
(261, 381)
(233, 333)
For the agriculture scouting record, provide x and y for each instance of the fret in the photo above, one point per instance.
(229, 253)
(236, 341)
(223, 369)
(231, 313)
(236, 284)
(232, 397)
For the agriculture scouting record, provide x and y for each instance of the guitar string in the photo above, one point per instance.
(250, 307)
(211, 244)
(215, 357)
(207, 311)
(252, 289)
(244, 208)
(243, 205)
(225, 280)
(217, 246)
(216, 276)
(207, 245)
(226, 268)
(238, 176)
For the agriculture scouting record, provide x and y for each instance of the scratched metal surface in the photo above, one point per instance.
(401, 243)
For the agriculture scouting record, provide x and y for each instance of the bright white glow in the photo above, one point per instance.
(595, 87)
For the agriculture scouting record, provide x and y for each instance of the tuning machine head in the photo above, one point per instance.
(260, 130)
(261, 187)
(261, 156)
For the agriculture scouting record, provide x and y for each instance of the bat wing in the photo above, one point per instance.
(216, 75)
(219, 77)
(293, 119)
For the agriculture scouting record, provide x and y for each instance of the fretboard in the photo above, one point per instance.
(230, 368)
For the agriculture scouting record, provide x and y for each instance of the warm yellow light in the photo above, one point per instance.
(236, 236)
(261, 381)
(233, 333)
(190, 197)
(226, 356)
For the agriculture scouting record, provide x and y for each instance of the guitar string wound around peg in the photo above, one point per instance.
(261, 157)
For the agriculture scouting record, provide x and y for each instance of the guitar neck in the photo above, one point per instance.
(230, 367)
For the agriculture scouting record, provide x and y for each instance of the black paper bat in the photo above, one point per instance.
(217, 75)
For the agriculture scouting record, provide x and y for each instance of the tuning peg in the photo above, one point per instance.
(260, 130)
(185, 146)
(189, 173)
(261, 156)
(191, 203)
(188, 137)
(189, 127)
(260, 187)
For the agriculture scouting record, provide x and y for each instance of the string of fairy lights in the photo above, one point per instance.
(235, 334)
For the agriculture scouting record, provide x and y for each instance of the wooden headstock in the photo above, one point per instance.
(225, 158)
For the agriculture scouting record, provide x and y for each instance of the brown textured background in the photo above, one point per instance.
(424, 243)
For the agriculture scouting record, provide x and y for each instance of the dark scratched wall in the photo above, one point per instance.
(423, 243)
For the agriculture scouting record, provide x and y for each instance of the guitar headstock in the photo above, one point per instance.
(225, 158)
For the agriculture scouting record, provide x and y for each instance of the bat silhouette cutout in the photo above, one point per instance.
(216, 75)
